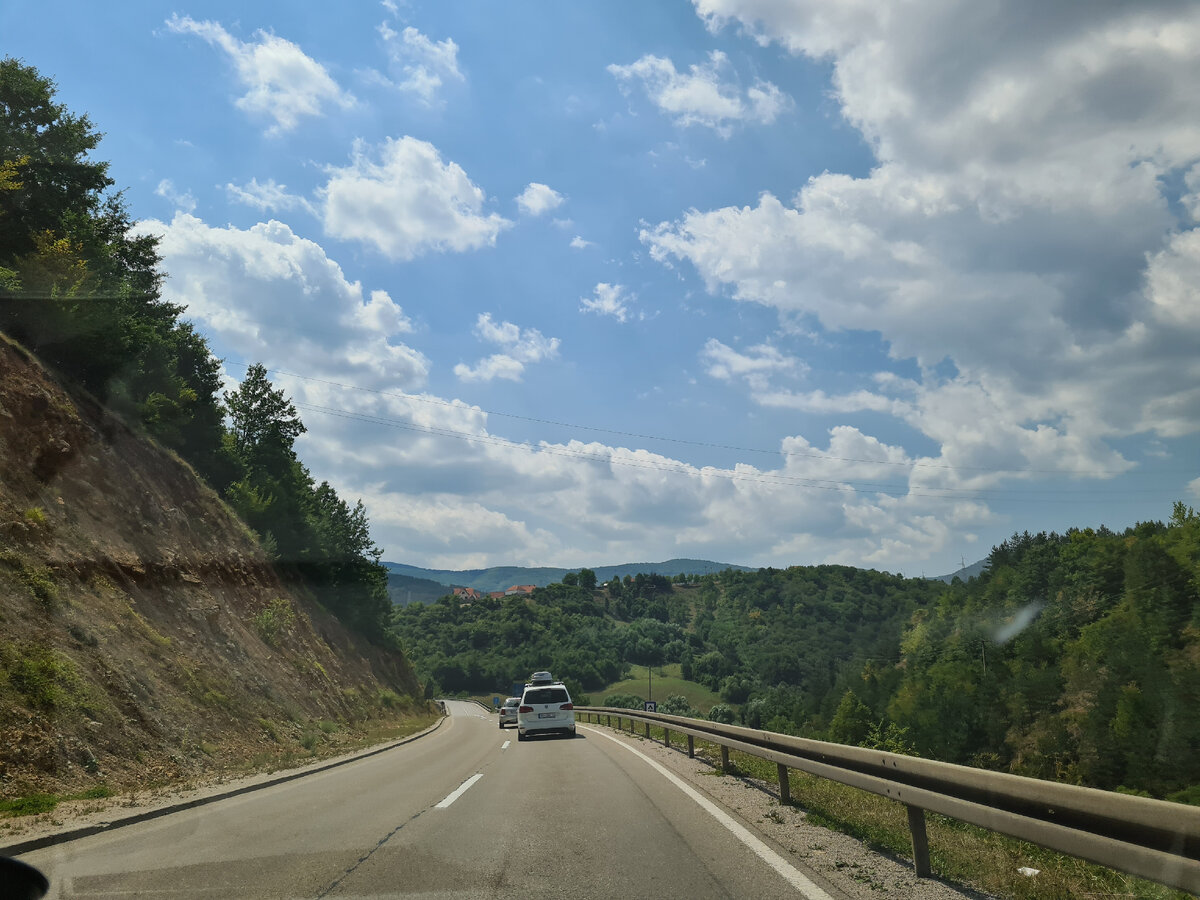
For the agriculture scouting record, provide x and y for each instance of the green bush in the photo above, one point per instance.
(276, 619)
(29, 806)
(677, 705)
(721, 713)
(623, 701)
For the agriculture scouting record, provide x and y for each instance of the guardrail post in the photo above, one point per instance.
(666, 738)
(691, 747)
(724, 758)
(785, 787)
(920, 842)
(647, 729)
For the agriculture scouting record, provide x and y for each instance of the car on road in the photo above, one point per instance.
(508, 712)
(545, 709)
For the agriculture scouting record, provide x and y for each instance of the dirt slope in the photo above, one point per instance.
(143, 635)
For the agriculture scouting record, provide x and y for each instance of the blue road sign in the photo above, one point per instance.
(649, 706)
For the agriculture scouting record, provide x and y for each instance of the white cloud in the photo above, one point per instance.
(403, 200)
(420, 66)
(268, 197)
(579, 243)
(726, 364)
(282, 83)
(521, 347)
(265, 293)
(537, 199)
(1016, 224)
(702, 95)
(609, 300)
(185, 201)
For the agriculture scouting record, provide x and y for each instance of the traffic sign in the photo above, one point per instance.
(650, 706)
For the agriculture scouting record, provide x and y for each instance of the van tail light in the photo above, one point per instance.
(567, 706)
(525, 709)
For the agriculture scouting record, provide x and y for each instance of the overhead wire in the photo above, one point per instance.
(838, 485)
(438, 401)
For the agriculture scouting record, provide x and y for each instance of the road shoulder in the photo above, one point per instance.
(845, 863)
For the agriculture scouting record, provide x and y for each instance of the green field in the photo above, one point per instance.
(667, 683)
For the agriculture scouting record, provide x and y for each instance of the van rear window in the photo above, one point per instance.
(547, 695)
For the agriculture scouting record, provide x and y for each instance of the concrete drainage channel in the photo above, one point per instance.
(72, 834)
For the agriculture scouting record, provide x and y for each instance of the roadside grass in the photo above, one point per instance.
(959, 853)
(320, 739)
(35, 804)
(667, 683)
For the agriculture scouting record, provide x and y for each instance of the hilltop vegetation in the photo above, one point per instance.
(148, 634)
(1073, 657)
(82, 289)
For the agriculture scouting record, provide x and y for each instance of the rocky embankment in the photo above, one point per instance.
(144, 637)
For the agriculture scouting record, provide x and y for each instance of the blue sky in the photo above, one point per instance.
(763, 282)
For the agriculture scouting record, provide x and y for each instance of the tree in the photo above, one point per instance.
(587, 579)
(81, 289)
(44, 149)
(852, 722)
(677, 705)
(721, 713)
(265, 423)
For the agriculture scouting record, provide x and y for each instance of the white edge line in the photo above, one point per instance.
(790, 873)
(459, 791)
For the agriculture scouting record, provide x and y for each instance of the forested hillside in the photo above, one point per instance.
(1073, 657)
(82, 289)
(784, 635)
(148, 633)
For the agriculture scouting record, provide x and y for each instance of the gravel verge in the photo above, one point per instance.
(844, 862)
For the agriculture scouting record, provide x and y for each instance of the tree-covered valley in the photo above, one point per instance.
(1073, 656)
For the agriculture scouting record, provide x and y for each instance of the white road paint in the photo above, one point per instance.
(459, 791)
(790, 873)
(504, 746)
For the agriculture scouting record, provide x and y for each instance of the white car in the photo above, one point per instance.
(508, 712)
(545, 709)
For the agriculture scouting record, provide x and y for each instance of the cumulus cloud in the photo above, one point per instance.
(578, 243)
(267, 294)
(538, 198)
(570, 502)
(705, 94)
(402, 199)
(183, 200)
(1018, 223)
(419, 66)
(268, 197)
(754, 366)
(282, 83)
(608, 300)
(519, 348)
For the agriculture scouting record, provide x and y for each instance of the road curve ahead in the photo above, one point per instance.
(466, 811)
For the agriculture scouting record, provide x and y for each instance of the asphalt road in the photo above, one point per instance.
(466, 811)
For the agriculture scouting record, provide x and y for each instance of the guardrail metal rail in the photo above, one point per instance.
(1153, 839)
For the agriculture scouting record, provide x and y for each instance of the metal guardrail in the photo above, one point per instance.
(1153, 839)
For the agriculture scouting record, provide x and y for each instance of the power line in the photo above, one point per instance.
(437, 401)
(836, 485)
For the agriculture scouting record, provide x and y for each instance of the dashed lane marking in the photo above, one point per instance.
(459, 791)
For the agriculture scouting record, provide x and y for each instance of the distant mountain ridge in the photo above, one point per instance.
(966, 573)
(498, 578)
